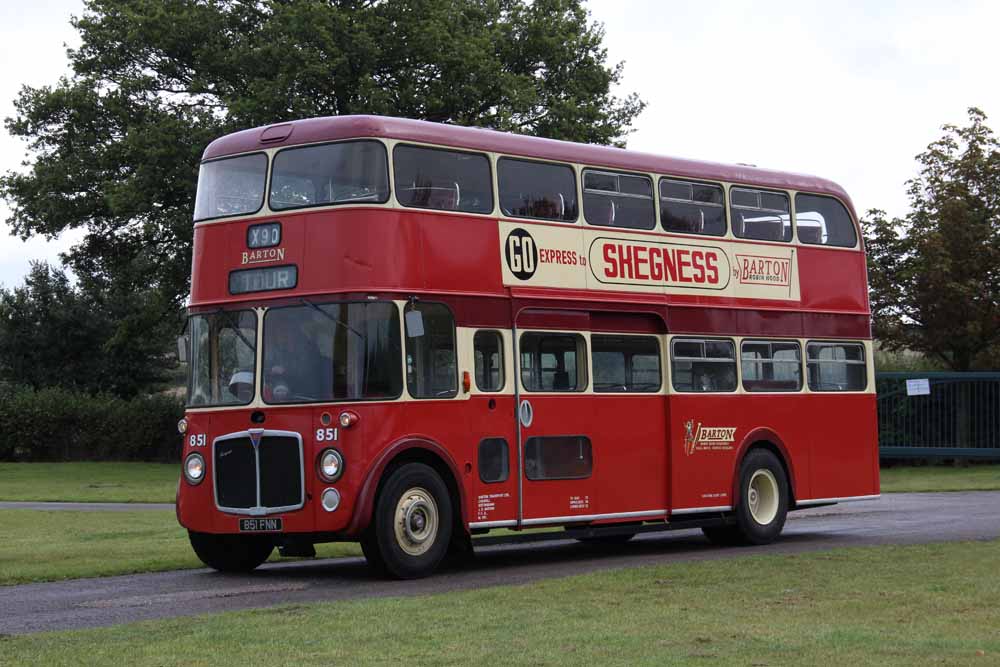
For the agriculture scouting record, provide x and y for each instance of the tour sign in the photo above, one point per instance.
(263, 280)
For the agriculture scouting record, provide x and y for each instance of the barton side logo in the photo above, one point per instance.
(707, 437)
(521, 253)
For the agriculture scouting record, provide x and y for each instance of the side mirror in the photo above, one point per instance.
(182, 349)
(414, 323)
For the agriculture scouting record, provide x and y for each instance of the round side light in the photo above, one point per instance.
(331, 500)
(182, 426)
(194, 468)
(330, 465)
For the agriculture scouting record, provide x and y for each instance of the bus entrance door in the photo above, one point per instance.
(557, 456)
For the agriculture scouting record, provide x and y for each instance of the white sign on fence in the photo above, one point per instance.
(918, 387)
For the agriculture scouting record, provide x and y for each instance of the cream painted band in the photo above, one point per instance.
(846, 499)
(593, 517)
(701, 510)
(493, 524)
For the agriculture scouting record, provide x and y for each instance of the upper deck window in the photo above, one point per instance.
(231, 186)
(350, 172)
(443, 180)
(692, 208)
(823, 221)
(611, 199)
(537, 190)
(760, 214)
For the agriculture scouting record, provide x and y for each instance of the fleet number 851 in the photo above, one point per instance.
(326, 435)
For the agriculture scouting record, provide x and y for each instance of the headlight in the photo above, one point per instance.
(331, 500)
(330, 465)
(194, 468)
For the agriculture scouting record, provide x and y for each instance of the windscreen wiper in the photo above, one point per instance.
(333, 319)
(236, 328)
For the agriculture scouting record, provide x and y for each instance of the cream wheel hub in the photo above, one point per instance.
(416, 521)
(762, 496)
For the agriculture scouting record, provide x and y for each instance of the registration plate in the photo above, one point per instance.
(260, 525)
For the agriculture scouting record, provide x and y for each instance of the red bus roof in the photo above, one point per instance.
(332, 128)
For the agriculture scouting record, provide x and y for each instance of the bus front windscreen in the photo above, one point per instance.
(332, 352)
(222, 358)
(232, 186)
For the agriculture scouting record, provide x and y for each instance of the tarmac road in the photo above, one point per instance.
(895, 519)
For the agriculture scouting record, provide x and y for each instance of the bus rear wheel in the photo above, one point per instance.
(412, 524)
(762, 503)
(231, 553)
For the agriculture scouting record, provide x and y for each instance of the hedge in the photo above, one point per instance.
(62, 425)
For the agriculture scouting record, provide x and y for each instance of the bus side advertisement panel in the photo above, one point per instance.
(609, 259)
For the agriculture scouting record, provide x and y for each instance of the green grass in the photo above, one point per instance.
(90, 482)
(915, 605)
(940, 478)
(46, 546)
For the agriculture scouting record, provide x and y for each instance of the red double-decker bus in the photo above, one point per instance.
(409, 334)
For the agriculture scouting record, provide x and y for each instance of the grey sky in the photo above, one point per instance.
(850, 91)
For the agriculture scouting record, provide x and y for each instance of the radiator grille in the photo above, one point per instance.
(276, 462)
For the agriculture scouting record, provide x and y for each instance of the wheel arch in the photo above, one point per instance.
(765, 438)
(401, 452)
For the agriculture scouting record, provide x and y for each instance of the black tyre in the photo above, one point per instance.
(231, 553)
(762, 503)
(412, 523)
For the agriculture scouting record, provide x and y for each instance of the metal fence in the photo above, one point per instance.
(958, 417)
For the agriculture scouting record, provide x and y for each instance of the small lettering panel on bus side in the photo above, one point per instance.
(269, 525)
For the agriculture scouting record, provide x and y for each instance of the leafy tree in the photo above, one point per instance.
(56, 334)
(935, 274)
(116, 145)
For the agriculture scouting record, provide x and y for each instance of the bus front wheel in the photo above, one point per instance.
(762, 504)
(412, 524)
(231, 553)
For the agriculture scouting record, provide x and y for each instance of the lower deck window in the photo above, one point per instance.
(836, 367)
(553, 362)
(488, 351)
(494, 462)
(703, 365)
(771, 366)
(431, 367)
(558, 457)
(626, 364)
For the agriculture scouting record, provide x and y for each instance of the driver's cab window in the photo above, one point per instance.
(223, 355)
(431, 366)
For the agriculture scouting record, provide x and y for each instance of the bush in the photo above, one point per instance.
(57, 424)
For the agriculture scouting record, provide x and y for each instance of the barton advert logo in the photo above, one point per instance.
(763, 270)
(716, 438)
